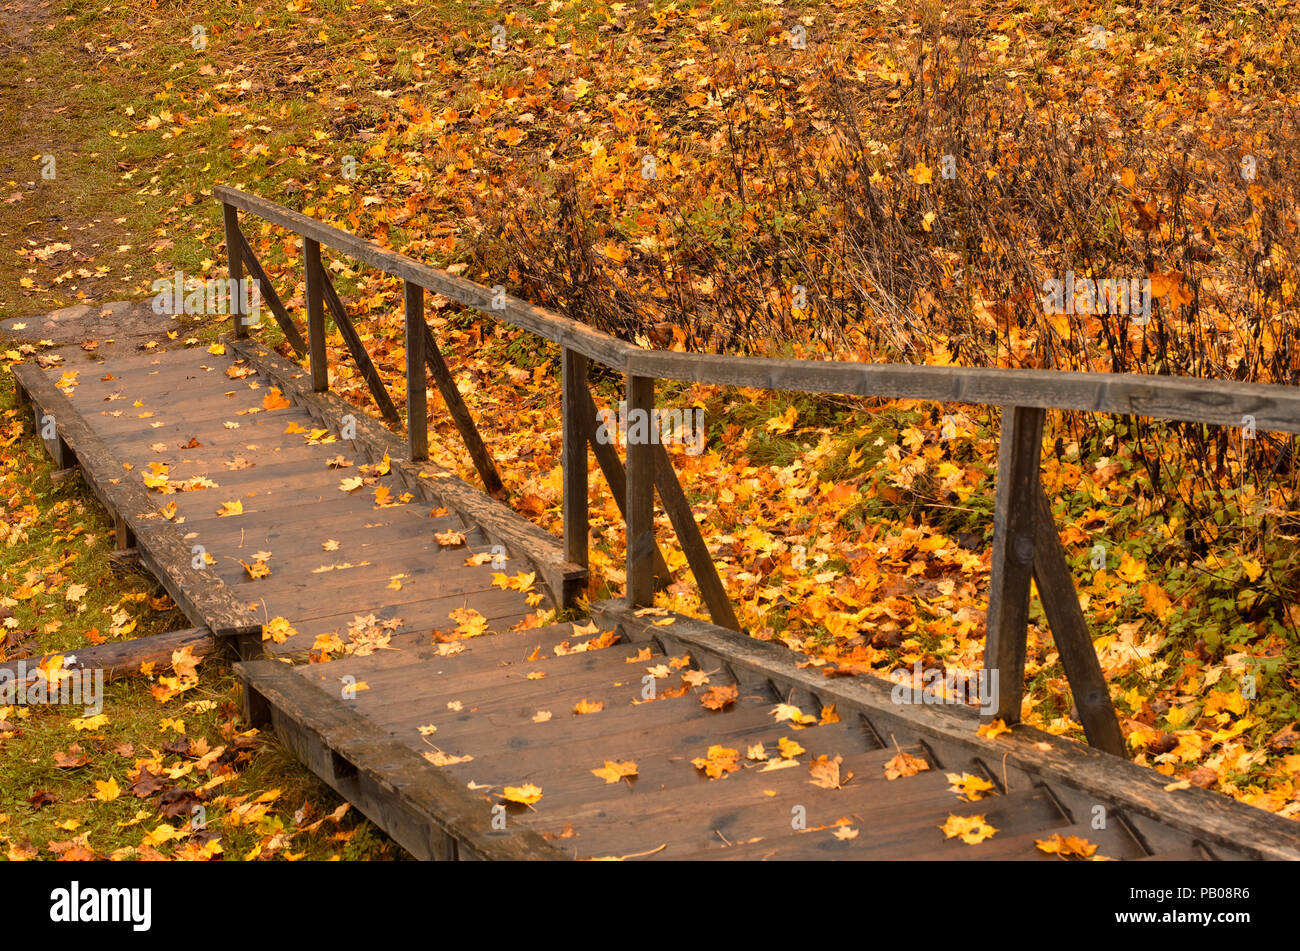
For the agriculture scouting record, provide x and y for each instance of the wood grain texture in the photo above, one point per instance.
(1019, 452)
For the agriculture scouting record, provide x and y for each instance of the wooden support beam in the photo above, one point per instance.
(320, 375)
(124, 537)
(358, 349)
(267, 291)
(577, 484)
(417, 405)
(679, 512)
(640, 495)
(1070, 632)
(230, 219)
(1019, 456)
(616, 477)
(460, 415)
(123, 658)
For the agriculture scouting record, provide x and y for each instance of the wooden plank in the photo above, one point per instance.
(417, 404)
(573, 456)
(640, 494)
(1070, 632)
(315, 295)
(1019, 453)
(123, 658)
(698, 557)
(397, 790)
(564, 331)
(267, 291)
(1116, 783)
(519, 536)
(203, 597)
(358, 349)
(1275, 408)
(616, 478)
(230, 220)
(460, 415)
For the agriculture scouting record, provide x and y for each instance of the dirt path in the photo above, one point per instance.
(57, 280)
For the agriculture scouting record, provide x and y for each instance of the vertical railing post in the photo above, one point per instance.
(574, 406)
(417, 407)
(235, 260)
(1007, 623)
(640, 491)
(315, 315)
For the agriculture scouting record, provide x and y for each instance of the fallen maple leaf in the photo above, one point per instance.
(719, 698)
(718, 761)
(972, 829)
(613, 771)
(1066, 846)
(993, 729)
(527, 794)
(903, 765)
(826, 772)
(970, 787)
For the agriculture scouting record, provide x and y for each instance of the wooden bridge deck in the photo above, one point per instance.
(433, 729)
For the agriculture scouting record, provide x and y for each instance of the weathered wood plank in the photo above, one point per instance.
(616, 478)
(202, 595)
(417, 405)
(562, 330)
(234, 260)
(267, 291)
(577, 484)
(358, 349)
(1275, 408)
(411, 800)
(1019, 453)
(640, 493)
(1116, 783)
(460, 415)
(698, 557)
(123, 658)
(315, 294)
(1070, 632)
(520, 537)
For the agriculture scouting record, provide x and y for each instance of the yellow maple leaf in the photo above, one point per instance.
(278, 630)
(971, 829)
(107, 791)
(527, 794)
(993, 729)
(613, 771)
(351, 484)
(588, 706)
(231, 508)
(718, 761)
(903, 765)
(789, 748)
(1066, 846)
(921, 173)
(274, 399)
(970, 787)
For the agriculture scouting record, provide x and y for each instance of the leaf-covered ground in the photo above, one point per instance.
(856, 531)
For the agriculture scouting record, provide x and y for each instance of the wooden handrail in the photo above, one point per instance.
(1025, 542)
(1189, 399)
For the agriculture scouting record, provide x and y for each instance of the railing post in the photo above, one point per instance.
(315, 315)
(417, 407)
(230, 218)
(1007, 625)
(574, 455)
(640, 491)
